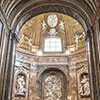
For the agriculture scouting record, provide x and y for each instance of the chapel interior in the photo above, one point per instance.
(49, 50)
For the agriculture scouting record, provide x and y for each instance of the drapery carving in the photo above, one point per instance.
(84, 87)
(83, 81)
(21, 81)
(20, 85)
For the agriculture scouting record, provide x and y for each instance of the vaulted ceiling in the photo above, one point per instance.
(8, 4)
(37, 28)
(19, 10)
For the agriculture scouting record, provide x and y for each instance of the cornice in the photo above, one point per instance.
(51, 59)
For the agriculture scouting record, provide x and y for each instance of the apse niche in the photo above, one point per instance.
(51, 41)
(51, 33)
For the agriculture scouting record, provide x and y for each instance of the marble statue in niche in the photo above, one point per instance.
(20, 85)
(52, 88)
(84, 87)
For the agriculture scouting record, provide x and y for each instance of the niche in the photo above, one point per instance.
(84, 86)
(21, 85)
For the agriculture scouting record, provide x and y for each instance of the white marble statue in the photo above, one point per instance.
(21, 38)
(21, 85)
(76, 38)
(53, 32)
(61, 25)
(43, 25)
(84, 87)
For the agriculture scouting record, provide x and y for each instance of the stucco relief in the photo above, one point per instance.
(52, 88)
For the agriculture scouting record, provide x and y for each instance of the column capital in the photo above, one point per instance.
(89, 33)
(13, 35)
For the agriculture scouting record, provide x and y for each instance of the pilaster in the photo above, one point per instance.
(9, 68)
(92, 59)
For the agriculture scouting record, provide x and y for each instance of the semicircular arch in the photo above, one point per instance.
(66, 8)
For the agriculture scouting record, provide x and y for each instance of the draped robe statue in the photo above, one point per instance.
(84, 87)
(21, 85)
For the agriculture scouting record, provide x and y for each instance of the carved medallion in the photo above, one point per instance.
(52, 20)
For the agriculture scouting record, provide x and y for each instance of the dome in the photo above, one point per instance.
(34, 32)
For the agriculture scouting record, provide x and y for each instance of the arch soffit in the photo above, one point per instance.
(9, 4)
(49, 69)
(68, 8)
